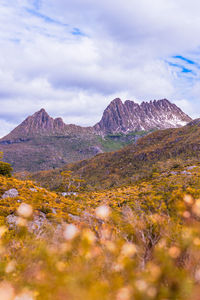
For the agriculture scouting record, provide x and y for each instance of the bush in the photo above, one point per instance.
(5, 169)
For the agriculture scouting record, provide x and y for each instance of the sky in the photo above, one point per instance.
(72, 57)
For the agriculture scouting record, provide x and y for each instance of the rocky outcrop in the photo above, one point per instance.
(12, 193)
(130, 116)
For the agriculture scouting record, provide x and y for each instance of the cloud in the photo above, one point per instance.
(74, 57)
(167, 23)
(6, 126)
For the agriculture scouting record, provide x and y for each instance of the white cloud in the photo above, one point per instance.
(124, 51)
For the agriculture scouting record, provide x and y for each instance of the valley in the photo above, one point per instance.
(140, 240)
(110, 215)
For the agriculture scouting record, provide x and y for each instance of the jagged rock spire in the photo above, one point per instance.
(130, 116)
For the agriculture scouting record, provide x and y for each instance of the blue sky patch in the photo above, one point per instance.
(189, 61)
(44, 17)
(77, 31)
(185, 70)
(182, 68)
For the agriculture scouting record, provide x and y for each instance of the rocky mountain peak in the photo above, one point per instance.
(39, 119)
(116, 101)
(38, 124)
(41, 111)
(41, 122)
(130, 116)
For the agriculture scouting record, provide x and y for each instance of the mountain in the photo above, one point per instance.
(41, 124)
(131, 116)
(118, 117)
(41, 142)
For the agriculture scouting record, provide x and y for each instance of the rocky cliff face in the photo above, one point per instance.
(130, 116)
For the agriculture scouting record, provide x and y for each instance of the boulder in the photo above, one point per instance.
(12, 193)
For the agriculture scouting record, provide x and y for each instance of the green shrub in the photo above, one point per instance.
(5, 169)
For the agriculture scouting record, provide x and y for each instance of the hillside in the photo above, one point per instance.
(135, 242)
(41, 142)
(130, 162)
(180, 145)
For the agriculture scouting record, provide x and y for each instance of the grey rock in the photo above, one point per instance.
(64, 194)
(185, 173)
(12, 193)
(191, 167)
(12, 220)
(35, 226)
(54, 211)
(33, 189)
(69, 194)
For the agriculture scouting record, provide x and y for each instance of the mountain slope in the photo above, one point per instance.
(134, 242)
(130, 116)
(138, 159)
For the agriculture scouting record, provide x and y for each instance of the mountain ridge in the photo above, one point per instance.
(41, 142)
(117, 117)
